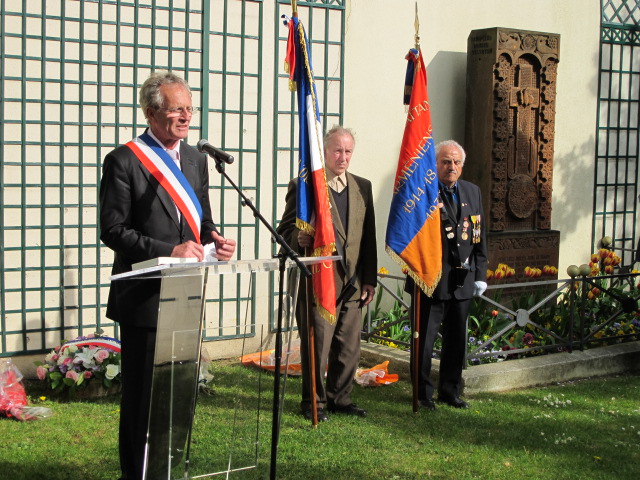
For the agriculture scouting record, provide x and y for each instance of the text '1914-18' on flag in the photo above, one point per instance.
(413, 236)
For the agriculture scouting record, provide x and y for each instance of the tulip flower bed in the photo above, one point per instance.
(604, 311)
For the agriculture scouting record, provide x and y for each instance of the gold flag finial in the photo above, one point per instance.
(417, 25)
(294, 7)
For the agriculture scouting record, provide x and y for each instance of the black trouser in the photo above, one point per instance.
(452, 315)
(138, 353)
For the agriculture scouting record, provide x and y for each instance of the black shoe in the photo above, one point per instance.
(322, 415)
(455, 402)
(351, 409)
(428, 404)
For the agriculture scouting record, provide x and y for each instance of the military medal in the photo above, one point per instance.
(476, 228)
(464, 235)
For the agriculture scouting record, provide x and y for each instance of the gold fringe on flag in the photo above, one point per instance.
(423, 286)
(328, 316)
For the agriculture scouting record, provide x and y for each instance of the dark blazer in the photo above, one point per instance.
(475, 253)
(359, 238)
(139, 221)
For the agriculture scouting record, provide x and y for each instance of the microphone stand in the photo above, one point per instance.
(286, 252)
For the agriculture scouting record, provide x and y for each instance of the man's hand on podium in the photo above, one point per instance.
(188, 249)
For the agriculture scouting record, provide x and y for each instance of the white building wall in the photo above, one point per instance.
(379, 34)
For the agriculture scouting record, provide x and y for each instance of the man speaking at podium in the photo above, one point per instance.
(154, 202)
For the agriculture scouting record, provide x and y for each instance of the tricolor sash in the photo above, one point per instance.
(162, 167)
(107, 343)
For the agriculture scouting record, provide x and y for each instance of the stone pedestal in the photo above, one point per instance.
(524, 249)
(510, 116)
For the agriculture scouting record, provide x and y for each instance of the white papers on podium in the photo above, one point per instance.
(210, 252)
(163, 261)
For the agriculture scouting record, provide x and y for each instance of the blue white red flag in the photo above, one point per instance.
(313, 213)
(162, 167)
(413, 231)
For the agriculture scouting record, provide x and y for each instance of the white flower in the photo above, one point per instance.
(63, 356)
(86, 357)
(112, 371)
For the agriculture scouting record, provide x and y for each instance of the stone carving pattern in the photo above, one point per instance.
(512, 46)
(525, 243)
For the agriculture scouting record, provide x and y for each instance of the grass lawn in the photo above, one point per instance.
(581, 430)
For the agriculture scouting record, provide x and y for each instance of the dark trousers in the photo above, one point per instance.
(337, 349)
(138, 347)
(452, 315)
(170, 427)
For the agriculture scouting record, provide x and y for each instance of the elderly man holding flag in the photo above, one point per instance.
(436, 230)
(328, 210)
(337, 342)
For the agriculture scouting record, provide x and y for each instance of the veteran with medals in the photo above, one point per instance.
(464, 274)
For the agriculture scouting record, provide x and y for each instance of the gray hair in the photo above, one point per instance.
(150, 91)
(339, 130)
(451, 143)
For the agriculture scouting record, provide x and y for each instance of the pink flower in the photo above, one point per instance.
(42, 372)
(55, 357)
(101, 355)
(88, 374)
(72, 375)
(67, 361)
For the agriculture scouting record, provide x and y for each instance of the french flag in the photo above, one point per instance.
(313, 208)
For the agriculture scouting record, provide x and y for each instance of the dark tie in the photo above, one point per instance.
(452, 204)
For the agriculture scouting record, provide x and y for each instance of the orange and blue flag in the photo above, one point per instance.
(414, 237)
(313, 214)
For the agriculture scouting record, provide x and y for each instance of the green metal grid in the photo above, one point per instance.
(616, 169)
(231, 24)
(70, 99)
(324, 21)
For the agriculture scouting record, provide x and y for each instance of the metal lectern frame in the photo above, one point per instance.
(177, 355)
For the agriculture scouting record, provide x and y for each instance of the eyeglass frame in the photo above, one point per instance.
(179, 111)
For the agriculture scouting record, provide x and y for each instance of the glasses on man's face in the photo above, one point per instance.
(180, 111)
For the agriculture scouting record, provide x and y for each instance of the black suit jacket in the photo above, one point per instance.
(474, 253)
(139, 221)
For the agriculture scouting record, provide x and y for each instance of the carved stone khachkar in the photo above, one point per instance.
(510, 117)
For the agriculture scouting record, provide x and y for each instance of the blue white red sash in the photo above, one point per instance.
(160, 164)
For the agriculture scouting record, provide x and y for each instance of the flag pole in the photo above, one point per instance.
(416, 24)
(415, 348)
(311, 339)
(311, 331)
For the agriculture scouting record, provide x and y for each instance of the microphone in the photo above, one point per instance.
(205, 147)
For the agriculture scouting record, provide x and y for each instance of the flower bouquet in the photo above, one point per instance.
(76, 364)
